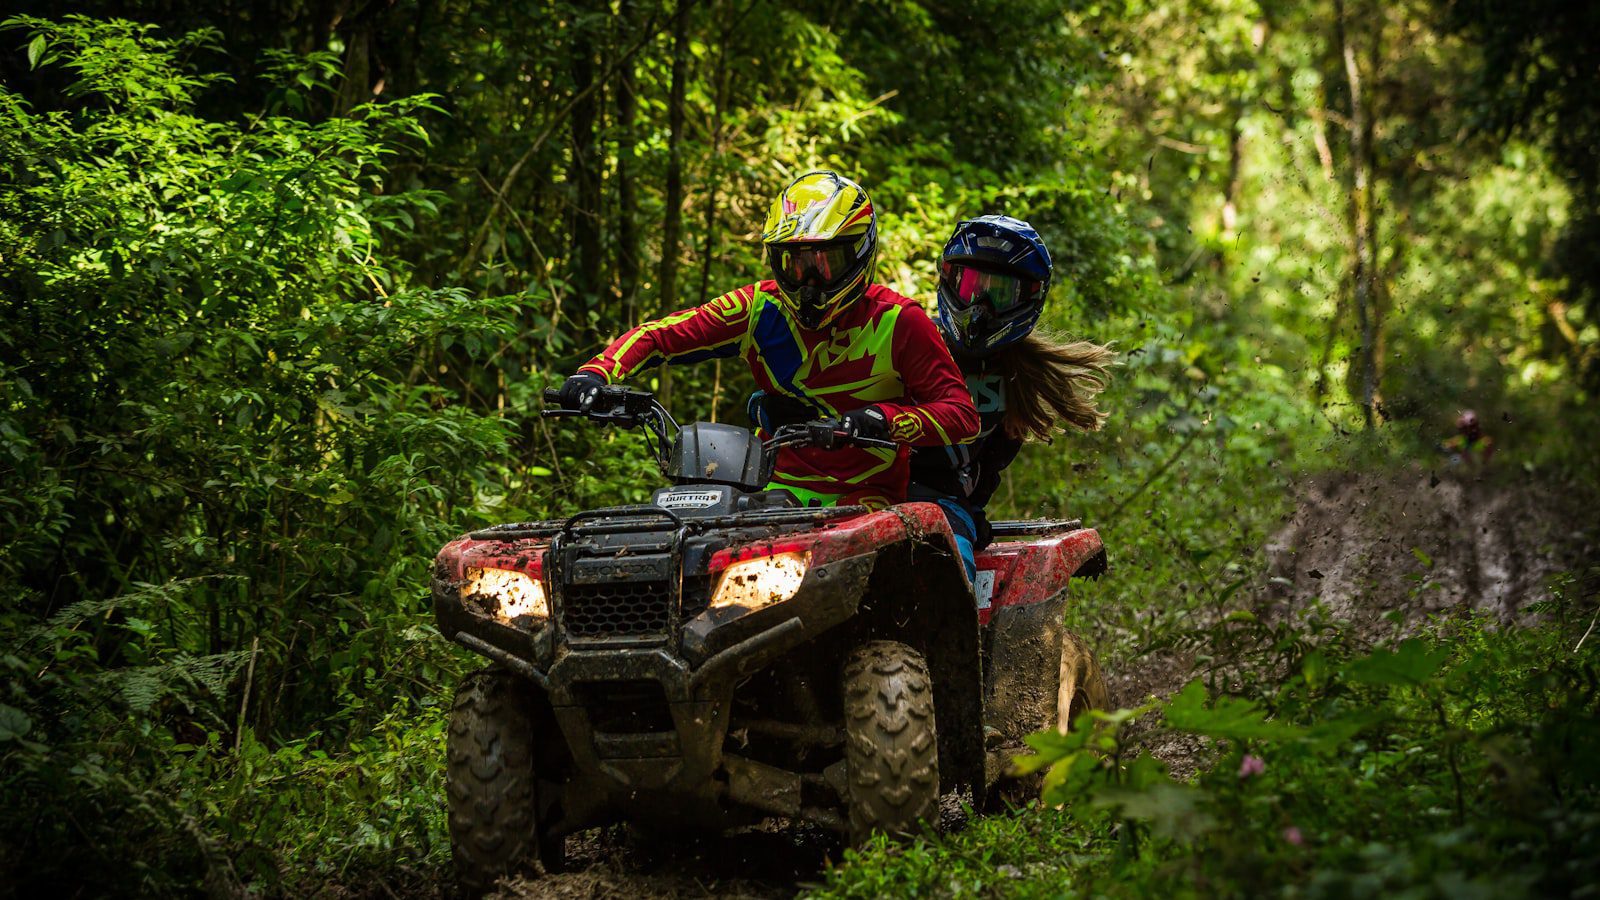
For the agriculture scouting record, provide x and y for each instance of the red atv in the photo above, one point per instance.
(720, 655)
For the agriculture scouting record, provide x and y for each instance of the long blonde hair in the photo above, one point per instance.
(1050, 380)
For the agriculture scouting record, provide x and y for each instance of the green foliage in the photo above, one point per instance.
(269, 336)
(224, 471)
(1449, 766)
(1528, 79)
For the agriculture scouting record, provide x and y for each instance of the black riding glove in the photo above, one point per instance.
(579, 391)
(867, 422)
(985, 531)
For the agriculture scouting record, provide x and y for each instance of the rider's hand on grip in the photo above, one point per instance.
(579, 391)
(832, 434)
(867, 422)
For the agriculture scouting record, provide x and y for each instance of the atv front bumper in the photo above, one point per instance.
(644, 724)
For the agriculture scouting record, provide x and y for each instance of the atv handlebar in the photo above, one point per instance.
(627, 407)
(617, 405)
(612, 403)
(829, 434)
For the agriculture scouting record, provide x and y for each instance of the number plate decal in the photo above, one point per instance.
(984, 588)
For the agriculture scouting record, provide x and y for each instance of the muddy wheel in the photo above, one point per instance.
(891, 741)
(1082, 685)
(490, 783)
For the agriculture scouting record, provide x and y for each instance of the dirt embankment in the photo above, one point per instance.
(1423, 543)
(1365, 547)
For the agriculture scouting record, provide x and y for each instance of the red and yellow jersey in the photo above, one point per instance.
(883, 351)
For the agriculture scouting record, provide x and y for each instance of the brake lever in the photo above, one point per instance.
(614, 411)
(613, 416)
(784, 436)
(553, 408)
(841, 438)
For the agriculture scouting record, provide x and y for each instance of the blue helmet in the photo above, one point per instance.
(993, 278)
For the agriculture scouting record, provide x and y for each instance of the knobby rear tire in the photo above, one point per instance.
(491, 785)
(891, 741)
(1082, 686)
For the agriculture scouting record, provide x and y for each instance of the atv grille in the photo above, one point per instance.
(626, 707)
(617, 609)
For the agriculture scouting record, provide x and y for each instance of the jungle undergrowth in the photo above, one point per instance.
(236, 427)
(1260, 750)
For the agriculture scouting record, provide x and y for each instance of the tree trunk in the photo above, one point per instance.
(1230, 196)
(356, 86)
(627, 194)
(1378, 286)
(583, 173)
(673, 226)
(1362, 230)
(709, 242)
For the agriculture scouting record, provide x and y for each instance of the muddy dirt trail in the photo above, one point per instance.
(1385, 551)
(1362, 545)
(771, 860)
(1420, 543)
(611, 864)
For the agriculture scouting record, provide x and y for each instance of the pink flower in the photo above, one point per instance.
(1251, 766)
(1293, 836)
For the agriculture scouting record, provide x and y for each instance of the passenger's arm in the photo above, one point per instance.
(999, 450)
(941, 412)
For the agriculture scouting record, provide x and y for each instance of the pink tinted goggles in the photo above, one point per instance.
(1002, 292)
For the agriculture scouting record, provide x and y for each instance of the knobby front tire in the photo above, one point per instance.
(891, 741)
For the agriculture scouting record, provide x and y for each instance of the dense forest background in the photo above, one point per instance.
(281, 281)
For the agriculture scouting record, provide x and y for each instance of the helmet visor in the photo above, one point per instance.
(1004, 293)
(815, 265)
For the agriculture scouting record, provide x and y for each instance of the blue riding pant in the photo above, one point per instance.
(965, 531)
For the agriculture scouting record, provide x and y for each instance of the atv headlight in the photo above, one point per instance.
(762, 581)
(506, 595)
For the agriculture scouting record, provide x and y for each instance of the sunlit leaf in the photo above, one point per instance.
(1227, 717)
(1410, 664)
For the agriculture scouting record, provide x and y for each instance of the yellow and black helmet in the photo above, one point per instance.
(821, 239)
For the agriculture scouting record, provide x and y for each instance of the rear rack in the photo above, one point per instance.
(1023, 528)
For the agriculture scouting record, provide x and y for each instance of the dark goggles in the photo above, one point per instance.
(814, 265)
(1004, 293)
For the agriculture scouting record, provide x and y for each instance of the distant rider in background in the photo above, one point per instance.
(1469, 445)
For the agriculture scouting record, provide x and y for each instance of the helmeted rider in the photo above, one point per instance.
(994, 276)
(822, 336)
(1470, 444)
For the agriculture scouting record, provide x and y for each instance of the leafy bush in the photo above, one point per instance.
(1459, 764)
(224, 475)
